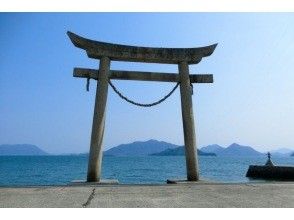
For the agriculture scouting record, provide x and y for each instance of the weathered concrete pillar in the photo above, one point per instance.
(95, 156)
(188, 123)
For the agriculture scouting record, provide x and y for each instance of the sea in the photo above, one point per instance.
(62, 170)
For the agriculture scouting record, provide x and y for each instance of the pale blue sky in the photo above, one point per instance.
(251, 101)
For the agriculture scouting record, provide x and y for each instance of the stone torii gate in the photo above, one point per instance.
(106, 52)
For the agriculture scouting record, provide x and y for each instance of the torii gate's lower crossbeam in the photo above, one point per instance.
(107, 52)
(142, 76)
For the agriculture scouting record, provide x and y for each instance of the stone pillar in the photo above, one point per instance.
(95, 156)
(188, 123)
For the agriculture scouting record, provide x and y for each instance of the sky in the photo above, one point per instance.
(251, 101)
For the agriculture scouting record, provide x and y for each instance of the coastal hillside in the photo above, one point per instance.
(235, 150)
(213, 148)
(20, 150)
(179, 151)
(139, 148)
(161, 148)
(238, 151)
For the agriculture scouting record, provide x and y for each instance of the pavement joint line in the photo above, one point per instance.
(250, 185)
(91, 196)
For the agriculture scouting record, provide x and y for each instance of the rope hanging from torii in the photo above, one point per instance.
(137, 103)
(141, 104)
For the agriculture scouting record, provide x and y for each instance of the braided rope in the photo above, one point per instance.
(140, 104)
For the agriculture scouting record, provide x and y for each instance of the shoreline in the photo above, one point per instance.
(201, 182)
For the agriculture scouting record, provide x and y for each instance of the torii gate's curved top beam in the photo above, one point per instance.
(97, 49)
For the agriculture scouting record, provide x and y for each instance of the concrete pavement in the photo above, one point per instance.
(170, 195)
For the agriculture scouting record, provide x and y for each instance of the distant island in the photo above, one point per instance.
(179, 151)
(161, 148)
(213, 148)
(232, 150)
(236, 150)
(21, 150)
(140, 148)
(152, 148)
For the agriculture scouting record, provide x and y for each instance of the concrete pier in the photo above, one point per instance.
(275, 194)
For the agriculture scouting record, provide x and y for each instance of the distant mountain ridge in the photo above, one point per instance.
(161, 148)
(21, 150)
(213, 148)
(139, 148)
(180, 151)
(152, 147)
(233, 150)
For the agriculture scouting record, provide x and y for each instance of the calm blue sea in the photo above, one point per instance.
(61, 170)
